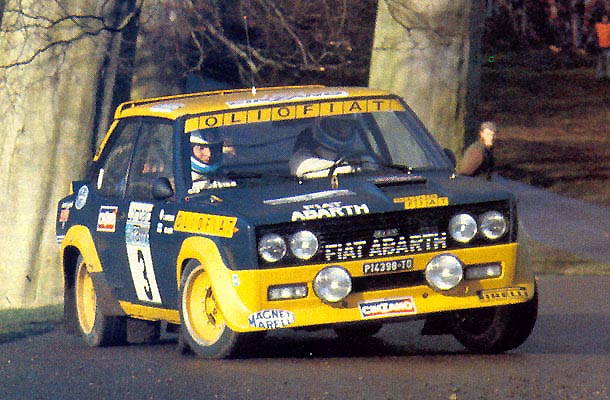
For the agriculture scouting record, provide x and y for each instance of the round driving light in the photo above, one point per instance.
(493, 225)
(332, 284)
(272, 247)
(444, 272)
(462, 228)
(304, 244)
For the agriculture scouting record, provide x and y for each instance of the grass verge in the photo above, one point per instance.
(20, 323)
(549, 260)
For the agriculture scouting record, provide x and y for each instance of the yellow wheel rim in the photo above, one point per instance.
(86, 302)
(202, 316)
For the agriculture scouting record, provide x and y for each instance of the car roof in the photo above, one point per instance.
(173, 107)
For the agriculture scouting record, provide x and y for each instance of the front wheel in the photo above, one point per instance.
(96, 328)
(204, 329)
(496, 329)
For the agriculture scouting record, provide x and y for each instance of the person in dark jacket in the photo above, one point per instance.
(478, 158)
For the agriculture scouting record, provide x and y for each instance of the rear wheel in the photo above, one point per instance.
(96, 328)
(496, 329)
(204, 329)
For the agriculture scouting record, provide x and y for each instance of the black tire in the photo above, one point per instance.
(96, 328)
(496, 329)
(357, 331)
(203, 327)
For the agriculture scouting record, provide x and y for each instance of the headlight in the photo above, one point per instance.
(287, 292)
(272, 247)
(493, 225)
(462, 228)
(332, 284)
(444, 272)
(304, 244)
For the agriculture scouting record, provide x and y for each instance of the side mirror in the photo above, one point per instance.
(451, 156)
(162, 188)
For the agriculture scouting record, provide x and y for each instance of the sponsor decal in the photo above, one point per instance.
(280, 112)
(271, 319)
(385, 233)
(137, 230)
(309, 197)
(81, 197)
(166, 107)
(166, 223)
(199, 186)
(106, 218)
(385, 247)
(205, 224)
(329, 210)
(64, 214)
(387, 307)
(60, 239)
(423, 201)
(277, 98)
(380, 267)
(517, 292)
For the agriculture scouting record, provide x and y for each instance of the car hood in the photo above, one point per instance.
(278, 202)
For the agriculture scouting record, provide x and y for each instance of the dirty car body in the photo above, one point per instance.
(386, 233)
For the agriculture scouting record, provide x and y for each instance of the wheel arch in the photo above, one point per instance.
(69, 262)
(79, 242)
(205, 251)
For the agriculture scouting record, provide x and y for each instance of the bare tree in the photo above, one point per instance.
(65, 64)
(261, 42)
(50, 56)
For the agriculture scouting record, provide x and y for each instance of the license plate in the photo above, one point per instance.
(381, 267)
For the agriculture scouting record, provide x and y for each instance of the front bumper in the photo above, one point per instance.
(247, 307)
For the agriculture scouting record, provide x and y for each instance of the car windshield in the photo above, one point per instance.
(379, 141)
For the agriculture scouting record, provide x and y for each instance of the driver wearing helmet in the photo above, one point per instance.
(321, 145)
(207, 148)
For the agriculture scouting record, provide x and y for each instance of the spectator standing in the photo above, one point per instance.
(602, 29)
(479, 158)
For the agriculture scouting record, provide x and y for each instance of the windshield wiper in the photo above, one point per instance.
(404, 168)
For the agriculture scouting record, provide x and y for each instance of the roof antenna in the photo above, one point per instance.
(249, 55)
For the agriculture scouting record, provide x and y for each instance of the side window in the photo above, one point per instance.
(152, 158)
(112, 177)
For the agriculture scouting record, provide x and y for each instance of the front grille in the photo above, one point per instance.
(382, 235)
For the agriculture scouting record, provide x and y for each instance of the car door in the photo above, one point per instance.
(140, 152)
(147, 244)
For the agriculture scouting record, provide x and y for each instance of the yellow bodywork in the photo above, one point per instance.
(241, 294)
(244, 293)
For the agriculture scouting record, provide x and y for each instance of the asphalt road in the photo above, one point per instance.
(567, 357)
(561, 222)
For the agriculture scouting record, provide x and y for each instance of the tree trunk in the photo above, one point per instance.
(114, 86)
(2, 2)
(46, 109)
(153, 78)
(428, 52)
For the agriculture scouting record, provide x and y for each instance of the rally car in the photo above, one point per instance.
(231, 213)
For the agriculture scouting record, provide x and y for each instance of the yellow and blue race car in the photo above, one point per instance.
(231, 213)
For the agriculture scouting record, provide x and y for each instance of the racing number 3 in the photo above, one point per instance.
(147, 287)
